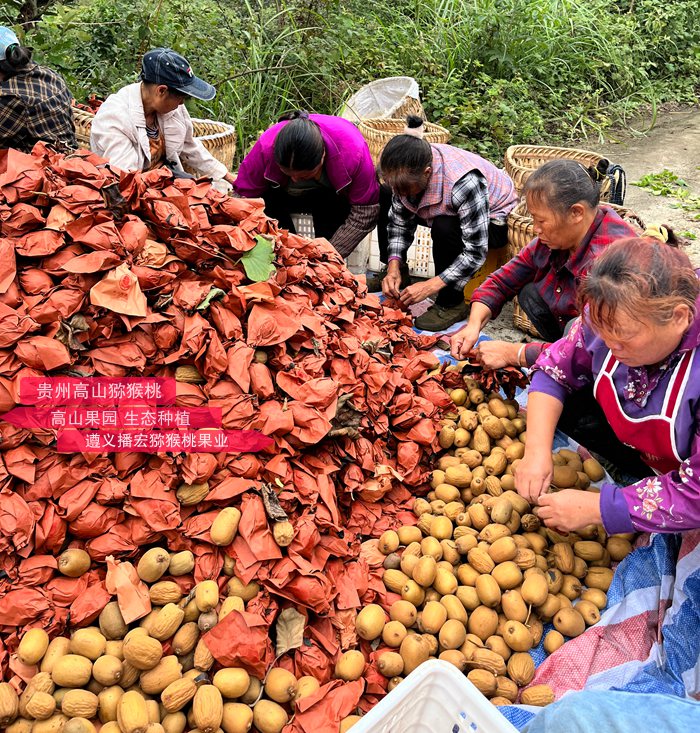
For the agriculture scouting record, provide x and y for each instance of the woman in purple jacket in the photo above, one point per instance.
(318, 165)
(637, 345)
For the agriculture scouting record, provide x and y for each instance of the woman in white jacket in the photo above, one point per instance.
(146, 125)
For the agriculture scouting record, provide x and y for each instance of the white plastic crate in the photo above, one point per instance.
(304, 225)
(358, 259)
(435, 698)
(419, 256)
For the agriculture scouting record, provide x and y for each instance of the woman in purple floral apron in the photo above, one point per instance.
(636, 345)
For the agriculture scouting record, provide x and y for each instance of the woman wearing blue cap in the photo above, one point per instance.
(35, 104)
(146, 125)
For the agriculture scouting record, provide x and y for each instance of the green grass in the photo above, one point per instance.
(493, 71)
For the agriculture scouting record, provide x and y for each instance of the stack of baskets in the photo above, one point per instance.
(521, 232)
(522, 160)
(217, 137)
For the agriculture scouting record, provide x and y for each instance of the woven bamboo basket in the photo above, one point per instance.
(521, 232)
(83, 122)
(410, 106)
(218, 138)
(522, 160)
(378, 132)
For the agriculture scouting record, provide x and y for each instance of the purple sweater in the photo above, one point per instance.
(348, 163)
(665, 503)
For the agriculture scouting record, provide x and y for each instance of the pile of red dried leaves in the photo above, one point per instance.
(73, 233)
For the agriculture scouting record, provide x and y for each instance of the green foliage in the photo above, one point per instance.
(10, 11)
(494, 72)
(668, 183)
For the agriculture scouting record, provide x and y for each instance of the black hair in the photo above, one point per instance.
(405, 156)
(171, 90)
(561, 183)
(299, 144)
(16, 58)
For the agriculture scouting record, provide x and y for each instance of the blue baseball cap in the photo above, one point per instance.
(165, 66)
(7, 38)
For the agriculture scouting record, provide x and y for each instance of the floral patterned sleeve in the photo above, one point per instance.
(667, 503)
(566, 365)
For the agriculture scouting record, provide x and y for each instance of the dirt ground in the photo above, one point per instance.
(674, 144)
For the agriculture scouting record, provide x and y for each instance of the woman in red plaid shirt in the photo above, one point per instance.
(572, 230)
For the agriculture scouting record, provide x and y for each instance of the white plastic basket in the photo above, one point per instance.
(435, 698)
(419, 256)
(356, 261)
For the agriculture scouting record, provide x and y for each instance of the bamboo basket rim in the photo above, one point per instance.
(517, 156)
(520, 161)
(395, 125)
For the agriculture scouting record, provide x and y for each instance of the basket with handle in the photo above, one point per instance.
(377, 132)
(219, 138)
(521, 232)
(522, 160)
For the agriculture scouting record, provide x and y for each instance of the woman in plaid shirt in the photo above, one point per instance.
(572, 230)
(35, 103)
(463, 198)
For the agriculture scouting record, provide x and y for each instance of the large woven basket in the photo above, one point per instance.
(521, 232)
(522, 160)
(218, 138)
(83, 123)
(378, 132)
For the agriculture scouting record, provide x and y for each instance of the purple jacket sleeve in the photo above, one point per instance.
(564, 366)
(364, 189)
(251, 182)
(666, 503)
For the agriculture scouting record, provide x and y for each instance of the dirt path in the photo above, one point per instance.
(672, 144)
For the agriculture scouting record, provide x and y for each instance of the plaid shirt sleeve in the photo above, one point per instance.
(36, 106)
(504, 284)
(360, 222)
(470, 198)
(11, 118)
(401, 229)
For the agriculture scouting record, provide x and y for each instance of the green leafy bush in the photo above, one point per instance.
(493, 71)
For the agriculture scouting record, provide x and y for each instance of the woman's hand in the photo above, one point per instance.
(497, 354)
(462, 342)
(419, 291)
(570, 509)
(533, 475)
(392, 280)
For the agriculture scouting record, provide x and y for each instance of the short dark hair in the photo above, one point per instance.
(16, 58)
(640, 276)
(299, 144)
(171, 90)
(561, 183)
(405, 157)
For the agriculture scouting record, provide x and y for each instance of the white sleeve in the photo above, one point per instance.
(109, 139)
(196, 156)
